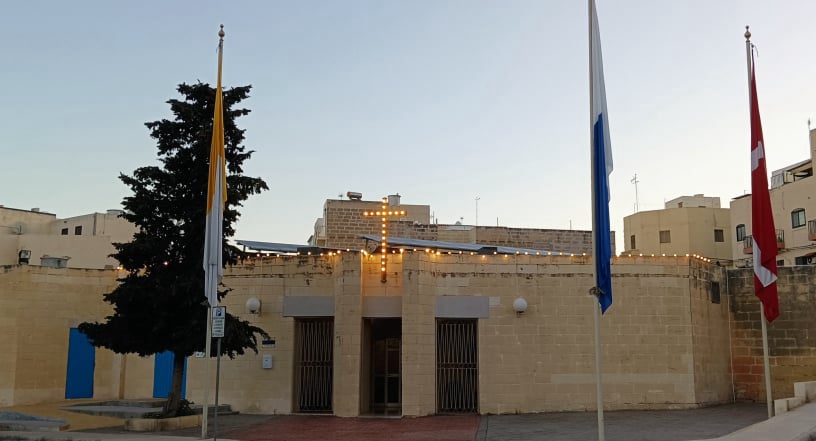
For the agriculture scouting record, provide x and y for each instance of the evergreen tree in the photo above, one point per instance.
(160, 304)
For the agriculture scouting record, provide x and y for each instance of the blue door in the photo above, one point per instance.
(163, 375)
(81, 363)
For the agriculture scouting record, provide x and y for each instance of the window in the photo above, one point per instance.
(715, 292)
(632, 243)
(665, 236)
(78, 230)
(804, 260)
(64, 232)
(798, 218)
(780, 262)
(740, 232)
(719, 236)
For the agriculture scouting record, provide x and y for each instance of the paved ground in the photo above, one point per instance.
(677, 425)
(673, 425)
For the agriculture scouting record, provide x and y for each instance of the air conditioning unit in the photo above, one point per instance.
(744, 263)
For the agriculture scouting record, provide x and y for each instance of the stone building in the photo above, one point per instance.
(39, 238)
(687, 225)
(794, 213)
(441, 335)
(344, 222)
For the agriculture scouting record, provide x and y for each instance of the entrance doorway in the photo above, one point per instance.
(384, 368)
(457, 366)
(81, 363)
(314, 361)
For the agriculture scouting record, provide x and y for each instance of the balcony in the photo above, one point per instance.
(748, 242)
(748, 245)
(812, 229)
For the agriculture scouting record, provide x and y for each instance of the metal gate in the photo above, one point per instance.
(313, 364)
(457, 367)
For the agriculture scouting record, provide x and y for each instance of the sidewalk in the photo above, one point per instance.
(796, 425)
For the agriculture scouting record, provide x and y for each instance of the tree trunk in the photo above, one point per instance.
(171, 407)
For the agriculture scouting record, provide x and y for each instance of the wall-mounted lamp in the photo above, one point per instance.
(519, 305)
(253, 305)
(23, 256)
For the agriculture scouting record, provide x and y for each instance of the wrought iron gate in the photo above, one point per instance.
(313, 364)
(457, 367)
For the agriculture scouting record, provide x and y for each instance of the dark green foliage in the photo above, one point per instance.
(160, 303)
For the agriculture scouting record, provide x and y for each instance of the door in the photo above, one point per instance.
(384, 335)
(81, 364)
(457, 367)
(314, 363)
(163, 375)
(386, 372)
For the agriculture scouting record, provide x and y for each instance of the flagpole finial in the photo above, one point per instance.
(747, 33)
(221, 32)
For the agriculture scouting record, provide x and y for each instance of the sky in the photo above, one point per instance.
(441, 101)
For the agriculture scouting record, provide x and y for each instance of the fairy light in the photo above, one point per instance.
(384, 212)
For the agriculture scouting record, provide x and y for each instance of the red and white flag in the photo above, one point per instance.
(764, 232)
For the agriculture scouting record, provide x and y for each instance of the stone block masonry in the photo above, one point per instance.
(345, 222)
(791, 337)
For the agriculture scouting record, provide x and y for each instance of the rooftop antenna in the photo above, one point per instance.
(637, 202)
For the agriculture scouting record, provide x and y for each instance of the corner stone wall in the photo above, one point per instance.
(791, 337)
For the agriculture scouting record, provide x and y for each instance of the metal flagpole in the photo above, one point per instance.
(207, 349)
(596, 305)
(765, 357)
(213, 285)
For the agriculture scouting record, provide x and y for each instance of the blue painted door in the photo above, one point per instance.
(81, 363)
(163, 375)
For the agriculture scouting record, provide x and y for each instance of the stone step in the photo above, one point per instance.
(138, 408)
(29, 423)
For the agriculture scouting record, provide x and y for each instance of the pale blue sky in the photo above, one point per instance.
(441, 101)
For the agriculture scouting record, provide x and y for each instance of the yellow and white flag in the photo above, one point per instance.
(216, 197)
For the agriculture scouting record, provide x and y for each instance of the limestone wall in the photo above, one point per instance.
(664, 343)
(708, 297)
(543, 360)
(345, 222)
(244, 382)
(791, 337)
(39, 306)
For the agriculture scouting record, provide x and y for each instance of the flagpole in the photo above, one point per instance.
(596, 307)
(765, 357)
(212, 270)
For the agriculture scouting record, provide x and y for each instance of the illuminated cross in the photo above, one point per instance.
(384, 213)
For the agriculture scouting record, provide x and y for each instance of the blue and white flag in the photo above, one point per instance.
(601, 166)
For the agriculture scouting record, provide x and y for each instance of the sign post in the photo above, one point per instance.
(219, 318)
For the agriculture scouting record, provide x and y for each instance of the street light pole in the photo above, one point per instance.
(477, 210)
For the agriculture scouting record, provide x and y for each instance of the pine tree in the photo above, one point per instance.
(160, 305)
